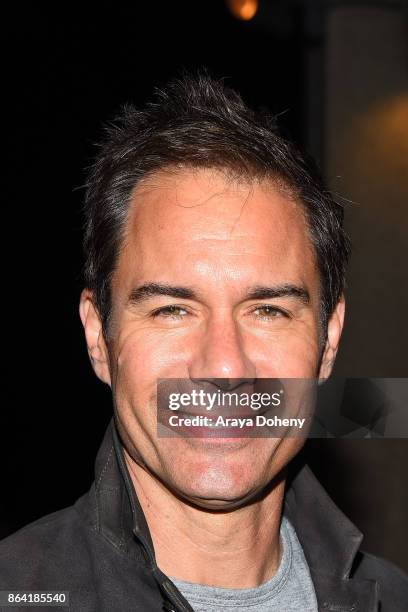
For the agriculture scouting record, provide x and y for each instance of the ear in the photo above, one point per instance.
(97, 349)
(334, 329)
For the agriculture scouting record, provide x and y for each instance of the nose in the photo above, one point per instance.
(220, 356)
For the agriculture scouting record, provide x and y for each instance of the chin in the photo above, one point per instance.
(229, 480)
(218, 489)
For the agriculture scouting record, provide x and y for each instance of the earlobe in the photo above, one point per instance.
(97, 349)
(334, 330)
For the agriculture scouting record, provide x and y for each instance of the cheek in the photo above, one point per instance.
(143, 353)
(288, 354)
(140, 358)
(137, 366)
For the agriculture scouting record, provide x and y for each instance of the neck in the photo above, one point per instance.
(231, 549)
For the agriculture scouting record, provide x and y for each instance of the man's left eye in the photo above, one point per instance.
(171, 312)
(269, 312)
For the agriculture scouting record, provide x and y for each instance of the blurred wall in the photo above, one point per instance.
(366, 160)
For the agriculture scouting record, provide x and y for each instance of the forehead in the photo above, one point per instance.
(184, 222)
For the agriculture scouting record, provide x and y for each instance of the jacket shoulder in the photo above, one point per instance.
(47, 547)
(392, 581)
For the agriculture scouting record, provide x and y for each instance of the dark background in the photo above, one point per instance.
(67, 69)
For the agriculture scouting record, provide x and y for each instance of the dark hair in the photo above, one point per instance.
(198, 122)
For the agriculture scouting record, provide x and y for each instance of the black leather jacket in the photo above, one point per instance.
(100, 550)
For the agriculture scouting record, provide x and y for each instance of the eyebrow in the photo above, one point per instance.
(259, 292)
(279, 291)
(148, 290)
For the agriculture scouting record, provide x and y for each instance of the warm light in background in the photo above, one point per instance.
(385, 130)
(243, 9)
(376, 148)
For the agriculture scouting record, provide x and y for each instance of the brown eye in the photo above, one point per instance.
(268, 312)
(170, 312)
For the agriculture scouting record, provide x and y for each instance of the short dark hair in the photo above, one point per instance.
(199, 122)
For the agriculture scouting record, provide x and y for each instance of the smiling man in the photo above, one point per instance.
(214, 256)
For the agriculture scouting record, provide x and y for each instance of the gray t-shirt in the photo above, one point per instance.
(290, 589)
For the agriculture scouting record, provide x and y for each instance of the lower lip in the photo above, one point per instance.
(216, 434)
(227, 439)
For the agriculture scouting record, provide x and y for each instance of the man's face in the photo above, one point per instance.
(211, 242)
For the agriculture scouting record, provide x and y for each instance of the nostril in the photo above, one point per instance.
(225, 384)
(219, 383)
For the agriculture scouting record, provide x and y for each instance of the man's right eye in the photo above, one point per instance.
(170, 312)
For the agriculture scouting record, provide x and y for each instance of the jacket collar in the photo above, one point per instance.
(329, 539)
(330, 542)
